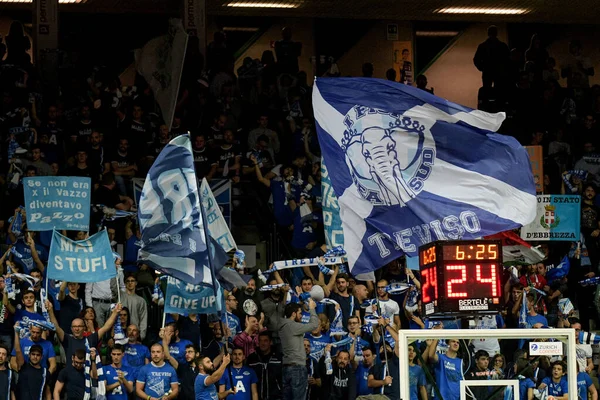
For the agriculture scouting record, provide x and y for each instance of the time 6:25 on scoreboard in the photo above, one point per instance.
(461, 277)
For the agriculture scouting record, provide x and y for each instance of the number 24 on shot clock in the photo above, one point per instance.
(461, 277)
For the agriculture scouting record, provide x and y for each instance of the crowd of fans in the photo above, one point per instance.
(254, 127)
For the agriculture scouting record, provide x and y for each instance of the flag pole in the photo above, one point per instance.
(213, 275)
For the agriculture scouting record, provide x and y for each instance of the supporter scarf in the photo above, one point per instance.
(306, 262)
(581, 174)
(17, 223)
(8, 284)
(323, 268)
(397, 287)
(157, 295)
(337, 251)
(119, 336)
(44, 297)
(592, 159)
(16, 253)
(523, 312)
(341, 343)
(337, 326)
(86, 372)
(412, 299)
(590, 281)
(584, 258)
(268, 288)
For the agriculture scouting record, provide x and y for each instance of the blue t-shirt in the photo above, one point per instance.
(317, 344)
(110, 374)
(177, 350)
(416, 378)
(583, 383)
(157, 380)
(534, 319)
(243, 378)
(524, 385)
(27, 260)
(304, 233)
(362, 376)
(556, 389)
(47, 350)
(202, 391)
(281, 210)
(21, 314)
(135, 355)
(448, 374)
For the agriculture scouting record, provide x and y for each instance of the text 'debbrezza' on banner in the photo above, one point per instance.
(558, 218)
(57, 202)
(185, 298)
(89, 260)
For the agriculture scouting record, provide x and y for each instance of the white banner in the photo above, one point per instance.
(217, 226)
(160, 62)
(46, 25)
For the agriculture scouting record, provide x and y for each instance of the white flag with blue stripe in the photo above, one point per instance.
(410, 168)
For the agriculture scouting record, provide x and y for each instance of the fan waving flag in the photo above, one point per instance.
(410, 168)
(173, 239)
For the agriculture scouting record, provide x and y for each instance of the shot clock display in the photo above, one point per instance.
(461, 277)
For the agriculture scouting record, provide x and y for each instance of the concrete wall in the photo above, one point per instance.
(302, 29)
(374, 48)
(453, 75)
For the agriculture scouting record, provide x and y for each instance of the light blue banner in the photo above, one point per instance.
(218, 227)
(57, 202)
(334, 234)
(83, 261)
(185, 298)
(558, 219)
(221, 189)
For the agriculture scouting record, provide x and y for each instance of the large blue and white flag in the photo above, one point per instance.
(89, 260)
(173, 239)
(409, 168)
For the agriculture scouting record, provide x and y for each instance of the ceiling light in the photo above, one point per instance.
(436, 33)
(262, 5)
(59, 1)
(479, 10)
(240, 29)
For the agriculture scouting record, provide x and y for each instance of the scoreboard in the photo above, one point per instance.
(461, 277)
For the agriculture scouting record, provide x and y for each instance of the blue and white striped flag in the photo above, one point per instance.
(173, 238)
(409, 168)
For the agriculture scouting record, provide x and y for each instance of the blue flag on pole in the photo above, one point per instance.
(185, 298)
(560, 271)
(89, 260)
(173, 239)
(410, 168)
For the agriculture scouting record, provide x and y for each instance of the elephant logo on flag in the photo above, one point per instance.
(390, 156)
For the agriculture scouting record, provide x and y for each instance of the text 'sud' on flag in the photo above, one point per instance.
(558, 218)
(89, 260)
(410, 168)
(173, 239)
